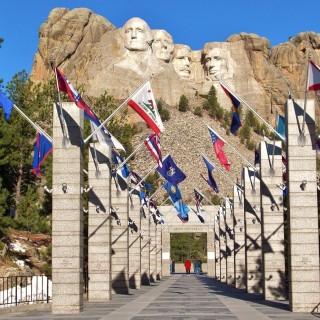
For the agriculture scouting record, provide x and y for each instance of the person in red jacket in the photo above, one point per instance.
(187, 265)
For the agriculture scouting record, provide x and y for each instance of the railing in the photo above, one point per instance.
(24, 290)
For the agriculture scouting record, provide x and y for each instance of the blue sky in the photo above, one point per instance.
(189, 22)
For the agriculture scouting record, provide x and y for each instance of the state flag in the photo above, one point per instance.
(200, 217)
(198, 199)
(43, 148)
(210, 181)
(173, 191)
(313, 77)
(117, 159)
(137, 180)
(281, 126)
(66, 86)
(144, 103)
(103, 135)
(218, 143)
(183, 210)
(235, 122)
(6, 104)
(170, 171)
(256, 156)
(153, 145)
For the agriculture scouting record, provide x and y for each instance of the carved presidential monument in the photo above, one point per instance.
(95, 54)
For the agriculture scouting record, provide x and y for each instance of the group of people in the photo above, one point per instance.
(197, 266)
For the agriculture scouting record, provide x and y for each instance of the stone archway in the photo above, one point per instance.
(174, 225)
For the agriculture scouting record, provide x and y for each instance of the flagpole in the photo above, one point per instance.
(255, 112)
(173, 216)
(163, 202)
(302, 137)
(239, 195)
(37, 127)
(212, 216)
(242, 185)
(127, 158)
(271, 163)
(65, 140)
(156, 192)
(234, 150)
(96, 162)
(115, 111)
(144, 178)
(274, 141)
(224, 174)
(207, 199)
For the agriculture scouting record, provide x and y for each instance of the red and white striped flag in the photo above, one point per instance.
(153, 145)
(314, 77)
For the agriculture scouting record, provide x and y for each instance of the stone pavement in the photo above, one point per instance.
(177, 297)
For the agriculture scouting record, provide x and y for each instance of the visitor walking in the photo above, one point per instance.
(197, 267)
(173, 267)
(187, 265)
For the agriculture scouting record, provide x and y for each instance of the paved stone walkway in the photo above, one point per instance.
(178, 297)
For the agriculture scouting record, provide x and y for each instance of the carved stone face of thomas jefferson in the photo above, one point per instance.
(137, 35)
(215, 63)
(181, 60)
(162, 45)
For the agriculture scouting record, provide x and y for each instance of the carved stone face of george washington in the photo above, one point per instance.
(137, 35)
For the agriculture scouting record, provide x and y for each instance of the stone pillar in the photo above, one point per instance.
(302, 209)
(217, 245)
(273, 263)
(223, 244)
(253, 231)
(165, 252)
(211, 256)
(159, 252)
(153, 251)
(229, 241)
(120, 238)
(99, 232)
(67, 213)
(145, 249)
(134, 243)
(239, 238)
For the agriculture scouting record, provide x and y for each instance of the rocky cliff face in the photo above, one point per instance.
(98, 57)
(93, 54)
(185, 138)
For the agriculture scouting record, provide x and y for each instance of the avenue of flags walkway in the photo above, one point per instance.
(177, 297)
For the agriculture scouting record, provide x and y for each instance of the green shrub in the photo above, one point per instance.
(165, 114)
(183, 104)
(250, 144)
(198, 111)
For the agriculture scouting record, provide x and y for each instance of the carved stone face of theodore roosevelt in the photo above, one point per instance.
(137, 35)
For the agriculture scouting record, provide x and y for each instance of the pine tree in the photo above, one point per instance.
(183, 104)
(212, 105)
